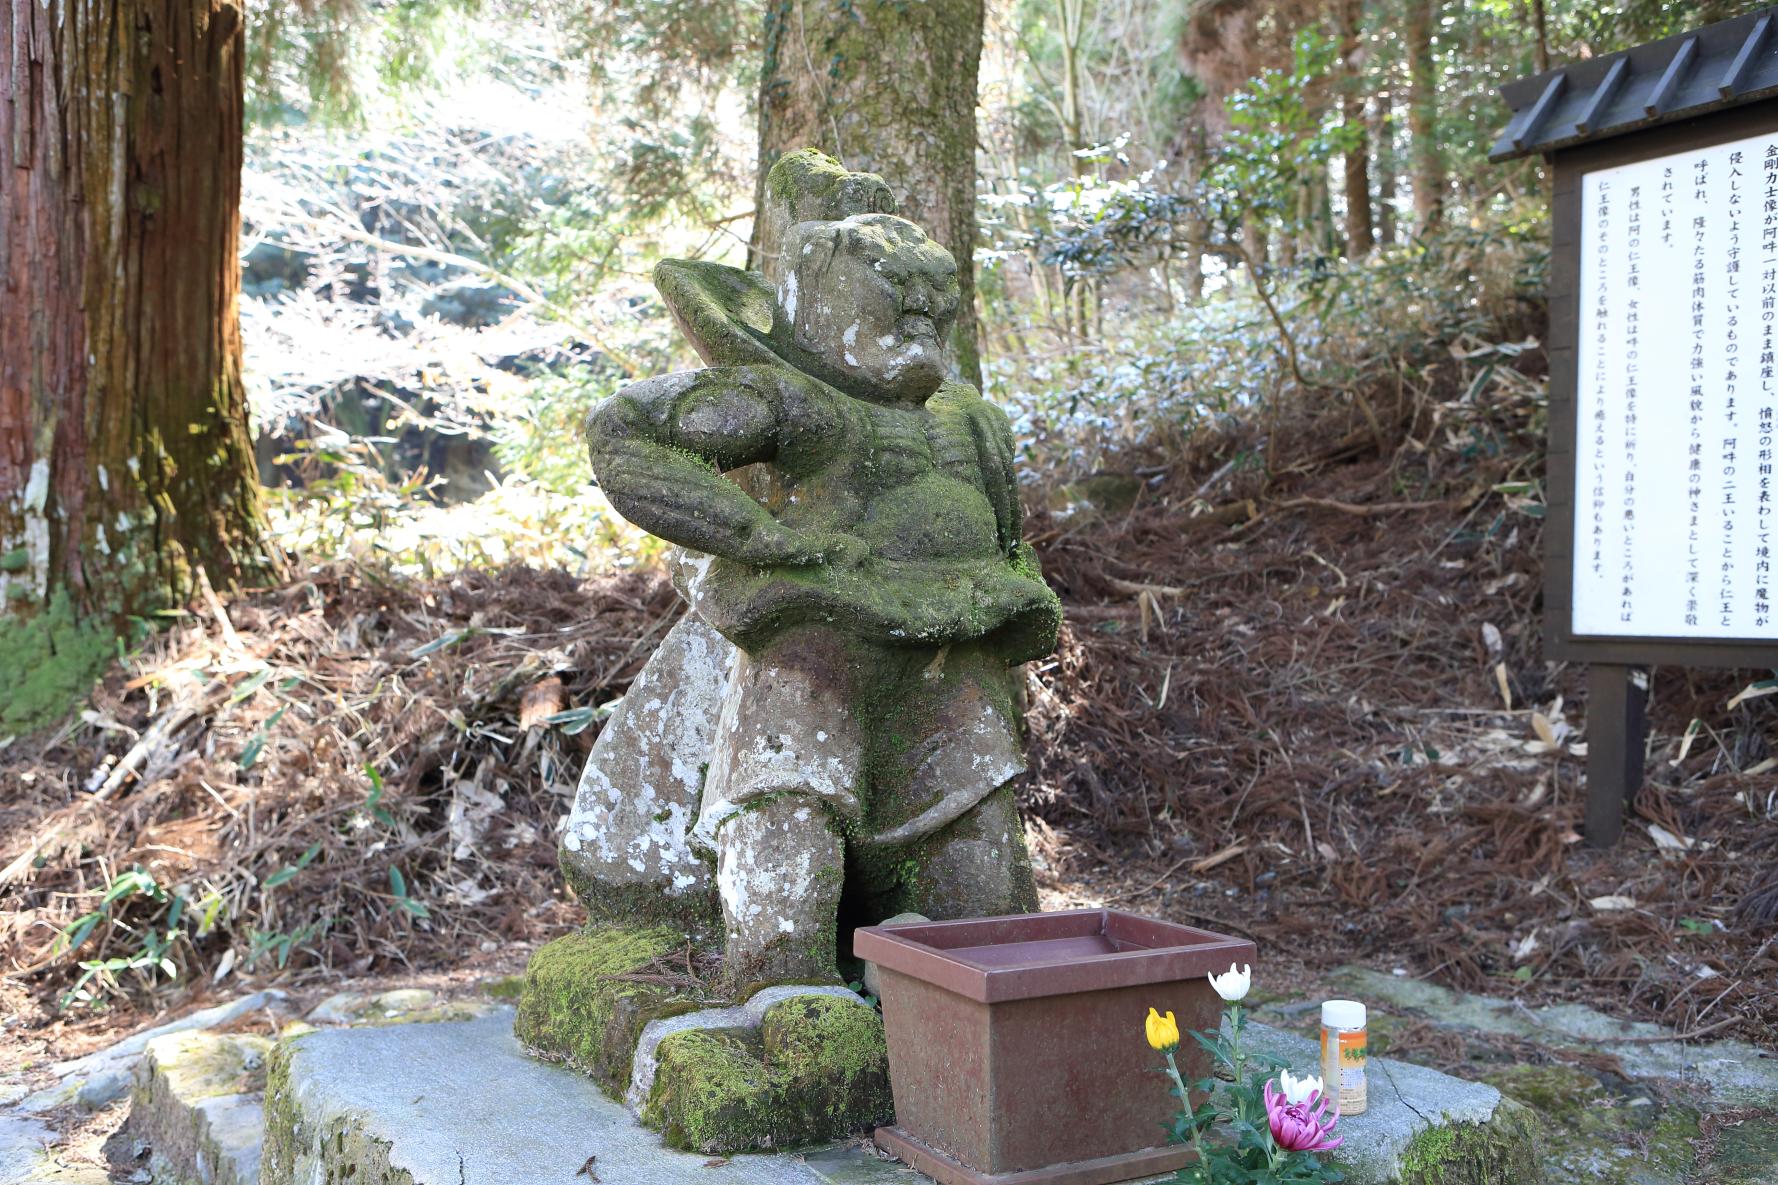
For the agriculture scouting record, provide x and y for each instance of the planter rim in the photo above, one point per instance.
(1031, 955)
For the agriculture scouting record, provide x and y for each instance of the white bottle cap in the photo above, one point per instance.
(1342, 1014)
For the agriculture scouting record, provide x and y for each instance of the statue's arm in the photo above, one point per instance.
(658, 448)
(1000, 473)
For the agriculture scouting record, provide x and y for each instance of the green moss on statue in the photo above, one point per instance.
(816, 1070)
(641, 905)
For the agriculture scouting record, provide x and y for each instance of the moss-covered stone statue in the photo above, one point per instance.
(826, 738)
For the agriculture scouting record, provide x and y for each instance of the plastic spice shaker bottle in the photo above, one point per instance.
(1343, 1054)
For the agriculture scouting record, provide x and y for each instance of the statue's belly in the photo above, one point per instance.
(933, 517)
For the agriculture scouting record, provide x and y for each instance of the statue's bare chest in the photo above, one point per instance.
(908, 481)
(896, 446)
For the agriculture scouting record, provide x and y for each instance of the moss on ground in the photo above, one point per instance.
(817, 1069)
(1557, 1094)
(577, 1006)
(1584, 1130)
(1745, 1152)
(507, 987)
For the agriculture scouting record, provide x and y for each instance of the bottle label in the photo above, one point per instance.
(1343, 1056)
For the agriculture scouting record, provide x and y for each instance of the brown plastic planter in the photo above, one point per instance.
(1017, 1052)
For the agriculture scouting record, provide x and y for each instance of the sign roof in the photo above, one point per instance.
(1719, 66)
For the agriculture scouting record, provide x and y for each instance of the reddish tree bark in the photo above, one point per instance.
(125, 456)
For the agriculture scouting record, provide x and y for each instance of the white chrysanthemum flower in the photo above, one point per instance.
(1298, 1090)
(1232, 985)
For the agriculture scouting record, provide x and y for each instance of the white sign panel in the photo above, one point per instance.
(1674, 510)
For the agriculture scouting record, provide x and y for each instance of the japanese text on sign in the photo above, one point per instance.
(1677, 396)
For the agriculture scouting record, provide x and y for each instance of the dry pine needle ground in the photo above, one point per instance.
(1292, 720)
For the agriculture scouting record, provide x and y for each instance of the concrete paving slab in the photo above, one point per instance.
(27, 1156)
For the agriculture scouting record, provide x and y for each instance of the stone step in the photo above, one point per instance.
(101, 1078)
(197, 1102)
(459, 1103)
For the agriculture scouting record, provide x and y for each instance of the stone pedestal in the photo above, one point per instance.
(461, 1104)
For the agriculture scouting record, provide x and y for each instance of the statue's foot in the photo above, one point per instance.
(793, 1065)
(789, 1064)
(588, 996)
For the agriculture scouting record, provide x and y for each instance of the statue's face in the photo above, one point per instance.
(874, 299)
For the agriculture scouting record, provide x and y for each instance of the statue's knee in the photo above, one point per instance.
(977, 866)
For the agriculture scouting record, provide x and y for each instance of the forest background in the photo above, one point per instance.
(294, 471)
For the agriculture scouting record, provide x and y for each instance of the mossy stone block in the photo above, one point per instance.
(1585, 1130)
(831, 1061)
(578, 1005)
(818, 1069)
(713, 1092)
(1502, 1151)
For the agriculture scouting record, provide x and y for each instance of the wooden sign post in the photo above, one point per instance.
(1663, 503)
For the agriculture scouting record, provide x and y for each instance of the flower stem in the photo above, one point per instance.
(1185, 1101)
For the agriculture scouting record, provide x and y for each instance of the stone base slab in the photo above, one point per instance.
(197, 1103)
(459, 1103)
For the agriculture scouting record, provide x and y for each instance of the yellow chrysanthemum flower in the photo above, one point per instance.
(1163, 1031)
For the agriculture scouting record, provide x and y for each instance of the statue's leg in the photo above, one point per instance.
(784, 770)
(944, 835)
(779, 864)
(976, 867)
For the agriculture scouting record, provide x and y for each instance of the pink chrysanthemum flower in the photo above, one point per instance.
(1301, 1127)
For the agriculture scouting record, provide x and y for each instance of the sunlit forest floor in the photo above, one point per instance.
(1309, 708)
(1300, 696)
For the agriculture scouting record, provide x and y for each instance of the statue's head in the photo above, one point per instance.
(873, 299)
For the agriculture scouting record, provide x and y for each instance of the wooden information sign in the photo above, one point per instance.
(1663, 502)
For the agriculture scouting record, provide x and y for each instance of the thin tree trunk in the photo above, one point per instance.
(1197, 227)
(1429, 174)
(1360, 235)
(125, 458)
(1540, 19)
(1384, 139)
(1254, 242)
(887, 87)
(1071, 15)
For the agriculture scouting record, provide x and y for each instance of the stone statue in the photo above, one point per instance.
(834, 723)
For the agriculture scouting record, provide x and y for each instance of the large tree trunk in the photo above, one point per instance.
(1360, 235)
(125, 459)
(887, 87)
(1429, 171)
